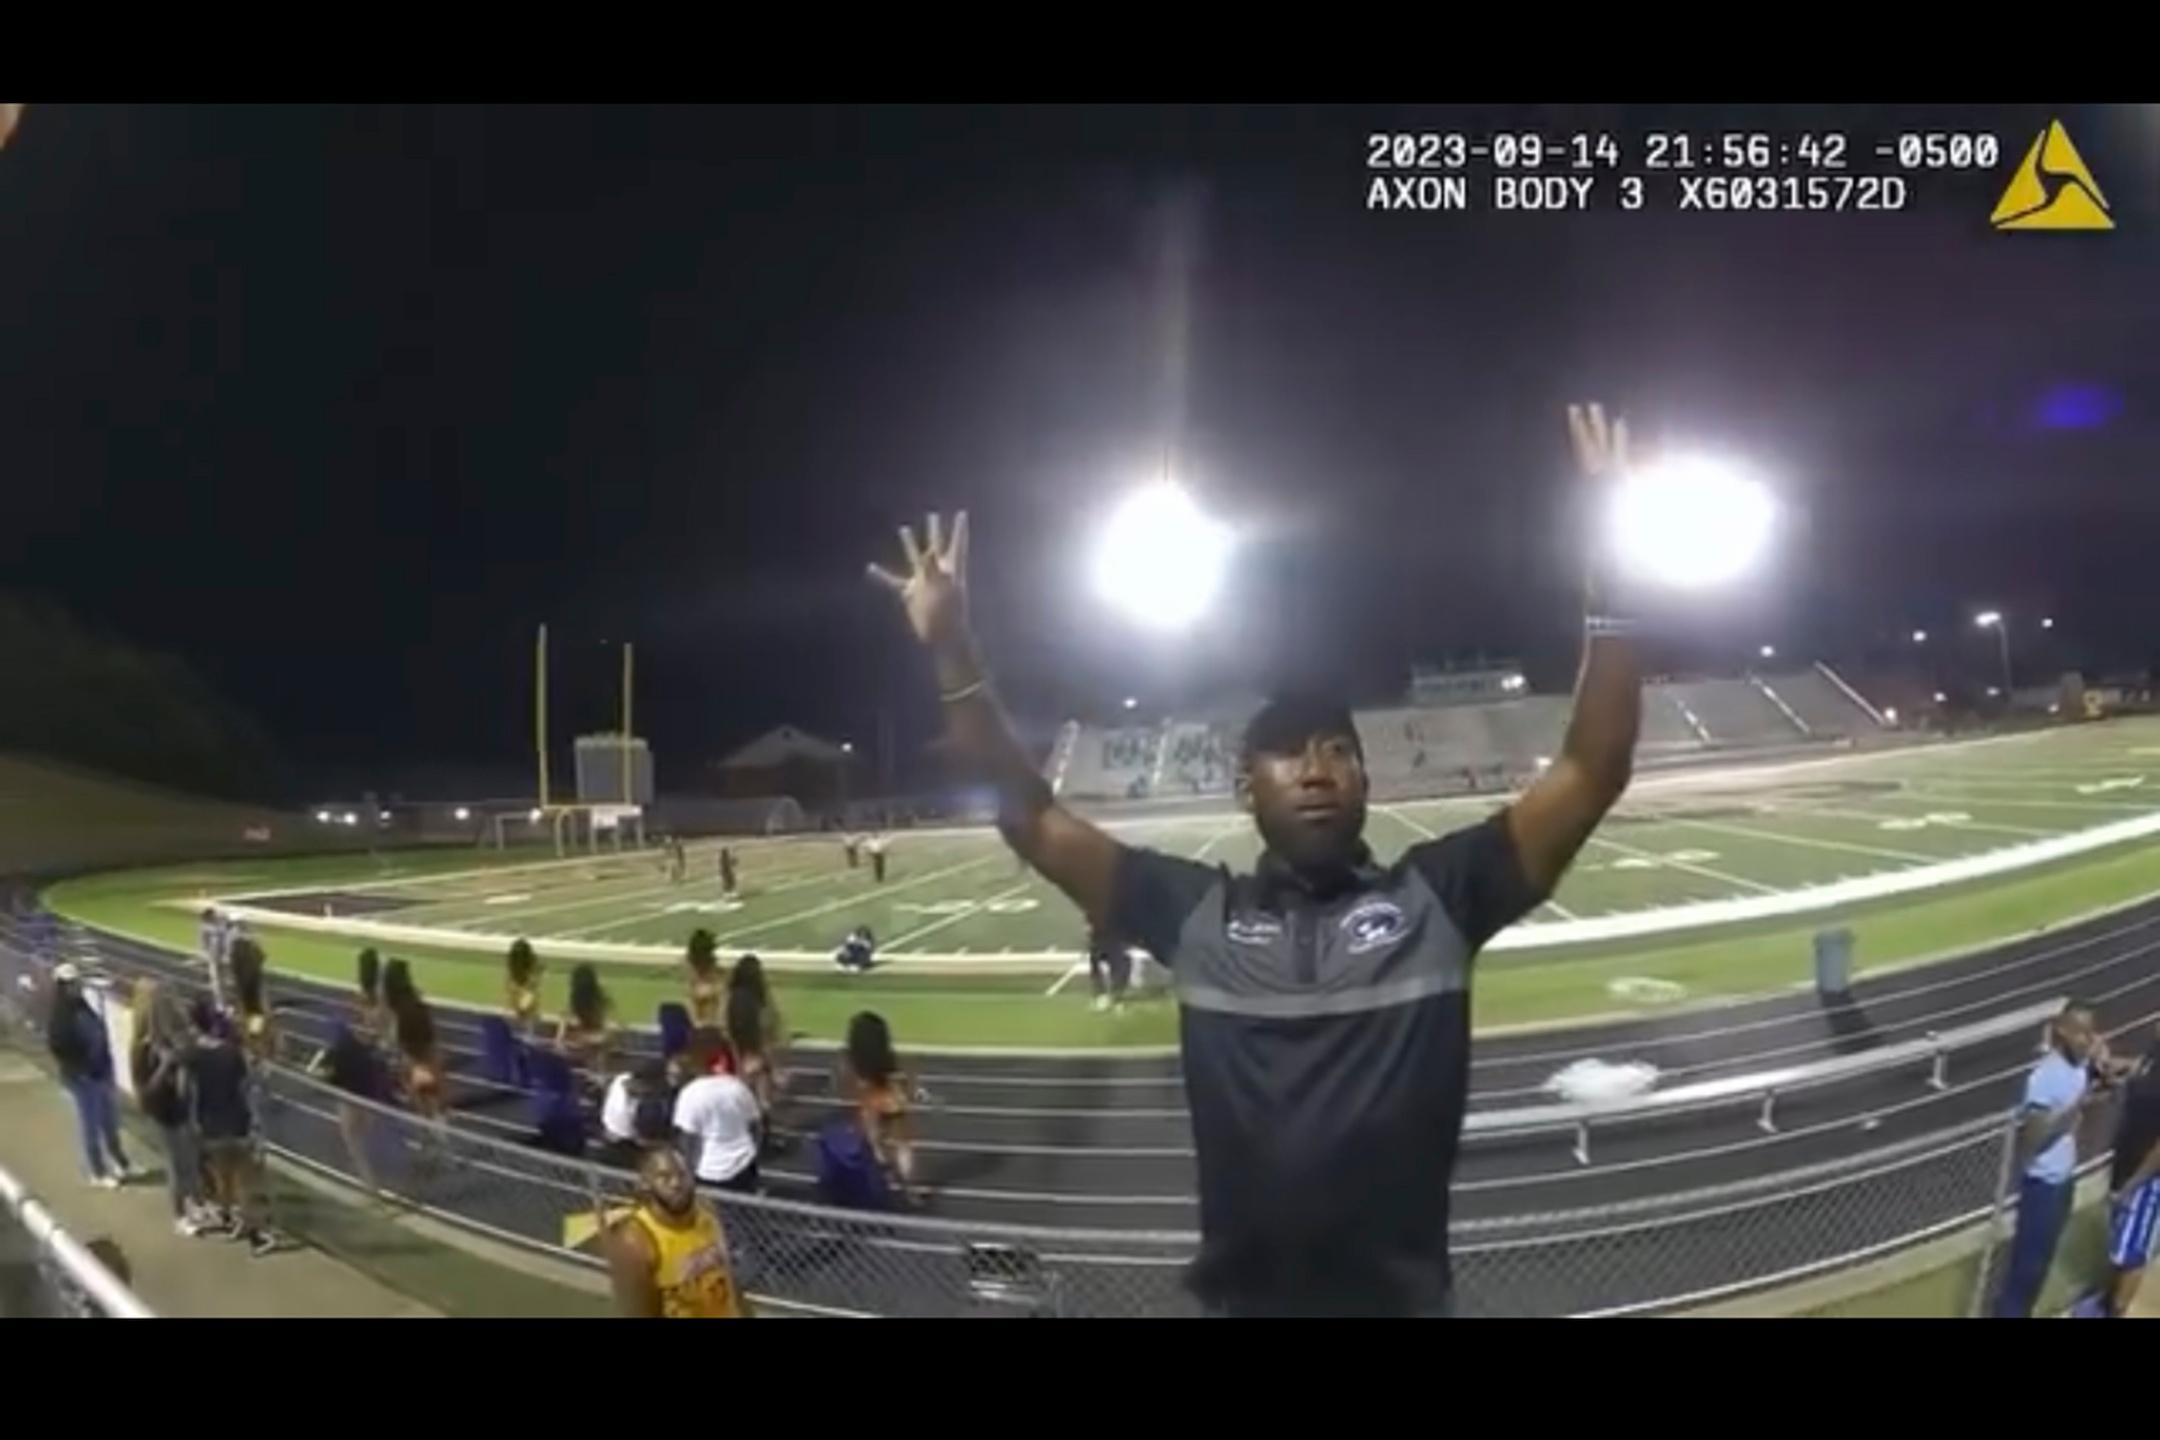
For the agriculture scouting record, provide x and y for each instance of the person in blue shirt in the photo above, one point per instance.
(2057, 1094)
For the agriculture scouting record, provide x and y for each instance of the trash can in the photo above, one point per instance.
(1833, 961)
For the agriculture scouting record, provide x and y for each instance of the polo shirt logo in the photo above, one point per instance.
(1254, 929)
(1374, 924)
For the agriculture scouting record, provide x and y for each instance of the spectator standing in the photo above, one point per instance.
(669, 1259)
(727, 872)
(374, 1015)
(521, 987)
(2134, 1183)
(157, 1060)
(213, 937)
(586, 1034)
(754, 1029)
(882, 1092)
(2057, 1094)
(627, 1119)
(708, 986)
(876, 846)
(247, 964)
(225, 1126)
(77, 1039)
(718, 1117)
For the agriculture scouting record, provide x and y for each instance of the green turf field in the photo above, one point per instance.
(980, 953)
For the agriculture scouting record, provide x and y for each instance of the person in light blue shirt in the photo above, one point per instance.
(2057, 1094)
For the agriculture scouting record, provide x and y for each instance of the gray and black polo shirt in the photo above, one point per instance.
(1326, 1035)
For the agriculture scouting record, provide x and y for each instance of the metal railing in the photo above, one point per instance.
(1762, 1089)
(76, 1282)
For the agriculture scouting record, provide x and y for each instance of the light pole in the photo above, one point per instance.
(1993, 620)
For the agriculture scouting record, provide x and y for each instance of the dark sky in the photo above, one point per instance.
(339, 403)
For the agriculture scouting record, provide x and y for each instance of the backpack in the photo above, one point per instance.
(849, 1174)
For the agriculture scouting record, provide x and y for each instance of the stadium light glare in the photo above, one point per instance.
(1941, 698)
(462, 813)
(1919, 637)
(1988, 618)
(1768, 652)
(2047, 622)
(533, 815)
(1691, 522)
(1132, 702)
(1993, 691)
(1160, 559)
(350, 818)
(847, 747)
(1890, 713)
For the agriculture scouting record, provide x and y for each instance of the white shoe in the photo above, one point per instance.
(186, 1225)
(107, 1182)
(1102, 1003)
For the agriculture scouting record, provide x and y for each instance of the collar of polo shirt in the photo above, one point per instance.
(1278, 877)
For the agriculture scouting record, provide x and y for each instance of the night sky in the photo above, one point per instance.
(339, 403)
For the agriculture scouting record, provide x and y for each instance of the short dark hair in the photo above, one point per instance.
(1289, 720)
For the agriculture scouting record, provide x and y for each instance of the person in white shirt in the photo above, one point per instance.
(718, 1118)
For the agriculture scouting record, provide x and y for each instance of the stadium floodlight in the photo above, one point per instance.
(350, 818)
(1890, 713)
(847, 747)
(1132, 702)
(1993, 620)
(1993, 691)
(533, 815)
(1160, 558)
(1941, 698)
(1919, 637)
(322, 817)
(462, 813)
(1987, 618)
(1691, 522)
(1768, 652)
(382, 817)
(2047, 622)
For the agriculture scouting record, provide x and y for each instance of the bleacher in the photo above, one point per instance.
(1114, 764)
(1826, 710)
(1736, 712)
(1197, 759)
(1486, 745)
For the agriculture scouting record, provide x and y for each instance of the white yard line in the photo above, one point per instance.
(1219, 836)
(2032, 804)
(1747, 833)
(653, 912)
(1066, 979)
(1670, 864)
(1878, 816)
(1394, 813)
(856, 898)
(1561, 910)
(894, 946)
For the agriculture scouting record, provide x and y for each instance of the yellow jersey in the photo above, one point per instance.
(691, 1267)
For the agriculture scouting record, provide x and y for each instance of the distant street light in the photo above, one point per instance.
(2047, 622)
(847, 747)
(1941, 698)
(462, 813)
(1919, 637)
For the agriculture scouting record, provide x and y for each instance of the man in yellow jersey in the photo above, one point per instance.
(669, 1259)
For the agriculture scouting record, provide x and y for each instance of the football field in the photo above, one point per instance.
(1704, 883)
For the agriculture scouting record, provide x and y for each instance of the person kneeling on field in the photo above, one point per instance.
(858, 952)
(668, 1259)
